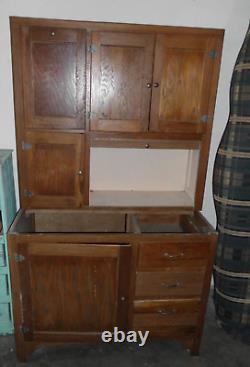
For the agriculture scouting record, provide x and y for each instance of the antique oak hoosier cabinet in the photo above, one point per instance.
(86, 257)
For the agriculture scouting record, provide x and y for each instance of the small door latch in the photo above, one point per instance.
(19, 258)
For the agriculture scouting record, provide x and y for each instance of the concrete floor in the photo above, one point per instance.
(217, 350)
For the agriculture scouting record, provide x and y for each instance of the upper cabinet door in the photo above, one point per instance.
(54, 77)
(51, 175)
(121, 81)
(182, 82)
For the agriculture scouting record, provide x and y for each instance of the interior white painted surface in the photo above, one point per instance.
(232, 15)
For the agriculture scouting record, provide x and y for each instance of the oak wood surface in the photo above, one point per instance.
(52, 167)
(54, 77)
(121, 70)
(79, 85)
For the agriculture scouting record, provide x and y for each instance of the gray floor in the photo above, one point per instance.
(217, 349)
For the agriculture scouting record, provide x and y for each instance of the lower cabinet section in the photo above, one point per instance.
(70, 286)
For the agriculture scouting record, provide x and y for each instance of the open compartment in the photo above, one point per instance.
(109, 221)
(143, 177)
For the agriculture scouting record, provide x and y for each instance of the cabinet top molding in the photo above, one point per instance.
(110, 26)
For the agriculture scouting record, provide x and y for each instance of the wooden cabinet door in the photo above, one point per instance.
(54, 77)
(121, 81)
(70, 289)
(182, 82)
(52, 175)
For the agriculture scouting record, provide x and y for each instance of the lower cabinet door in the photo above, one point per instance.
(72, 289)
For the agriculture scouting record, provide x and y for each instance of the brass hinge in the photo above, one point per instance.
(28, 193)
(92, 48)
(212, 54)
(26, 146)
(19, 258)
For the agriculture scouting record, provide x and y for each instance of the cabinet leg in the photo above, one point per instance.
(195, 347)
(24, 350)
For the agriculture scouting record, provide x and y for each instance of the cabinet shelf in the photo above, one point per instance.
(119, 198)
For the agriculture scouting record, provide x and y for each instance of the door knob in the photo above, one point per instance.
(149, 85)
(156, 85)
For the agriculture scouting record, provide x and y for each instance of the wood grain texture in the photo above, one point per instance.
(54, 77)
(158, 316)
(70, 264)
(170, 254)
(183, 71)
(52, 169)
(121, 69)
(83, 274)
(173, 282)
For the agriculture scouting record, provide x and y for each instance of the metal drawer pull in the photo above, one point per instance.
(172, 256)
(170, 285)
(166, 312)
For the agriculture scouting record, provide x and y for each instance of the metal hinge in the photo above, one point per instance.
(212, 54)
(204, 118)
(26, 146)
(92, 48)
(19, 258)
(24, 329)
(28, 193)
(91, 115)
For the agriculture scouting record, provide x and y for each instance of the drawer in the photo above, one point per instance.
(4, 287)
(5, 314)
(174, 283)
(159, 315)
(161, 255)
(2, 255)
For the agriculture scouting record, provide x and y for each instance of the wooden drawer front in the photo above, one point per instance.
(158, 315)
(173, 283)
(161, 255)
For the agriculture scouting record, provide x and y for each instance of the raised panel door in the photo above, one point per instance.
(121, 81)
(54, 77)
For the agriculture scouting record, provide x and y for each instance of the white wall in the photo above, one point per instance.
(232, 15)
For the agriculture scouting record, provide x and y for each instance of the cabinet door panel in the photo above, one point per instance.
(121, 69)
(182, 80)
(70, 288)
(54, 74)
(52, 162)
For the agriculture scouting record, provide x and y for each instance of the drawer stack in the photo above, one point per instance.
(170, 287)
(7, 213)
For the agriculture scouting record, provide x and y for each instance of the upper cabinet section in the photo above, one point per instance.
(114, 78)
(54, 84)
(121, 81)
(182, 82)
